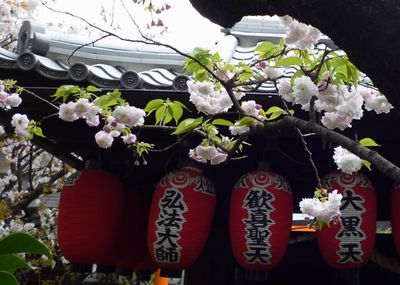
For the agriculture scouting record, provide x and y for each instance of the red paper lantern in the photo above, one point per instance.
(260, 219)
(132, 238)
(90, 211)
(349, 243)
(180, 218)
(395, 215)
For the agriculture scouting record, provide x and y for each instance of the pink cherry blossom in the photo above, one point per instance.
(103, 139)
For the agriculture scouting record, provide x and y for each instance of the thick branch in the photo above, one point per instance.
(381, 163)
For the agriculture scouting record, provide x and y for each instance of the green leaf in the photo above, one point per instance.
(7, 278)
(274, 109)
(222, 122)
(22, 242)
(116, 94)
(367, 164)
(288, 61)
(38, 132)
(64, 91)
(11, 261)
(187, 125)
(92, 88)
(265, 47)
(245, 121)
(367, 142)
(153, 105)
(168, 116)
(176, 111)
(105, 101)
(274, 112)
(160, 113)
(181, 104)
(297, 74)
(201, 75)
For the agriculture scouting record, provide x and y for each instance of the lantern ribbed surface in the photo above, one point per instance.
(349, 243)
(260, 220)
(132, 237)
(395, 215)
(180, 218)
(90, 212)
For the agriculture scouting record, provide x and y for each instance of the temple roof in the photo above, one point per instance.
(127, 65)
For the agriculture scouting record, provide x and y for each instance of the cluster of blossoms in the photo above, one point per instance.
(252, 109)
(206, 154)
(12, 14)
(21, 124)
(270, 72)
(121, 119)
(300, 35)
(339, 105)
(8, 100)
(208, 99)
(324, 207)
(82, 108)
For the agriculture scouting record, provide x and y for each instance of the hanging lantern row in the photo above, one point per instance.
(101, 221)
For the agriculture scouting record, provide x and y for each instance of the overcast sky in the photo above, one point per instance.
(186, 27)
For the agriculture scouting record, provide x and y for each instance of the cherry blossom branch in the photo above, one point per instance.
(32, 195)
(171, 129)
(84, 45)
(37, 97)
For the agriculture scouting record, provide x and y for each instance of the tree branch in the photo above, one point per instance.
(381, 163)
(35, 193)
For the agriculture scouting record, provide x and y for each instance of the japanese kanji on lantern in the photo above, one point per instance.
(180, 218)
(260, 219)
(90, 211)
(349, 243)
(395, 215)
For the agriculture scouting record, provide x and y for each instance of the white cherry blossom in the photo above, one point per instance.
(300, 35)
(82, 107)
(347, 161)
(303, 90)
(207, 153)
(20, 121)
(333, 120)
(285, 90)
(67, 112)
(129, 115)
(13, 100)
(325, 211)
(129, 139)
(104, 139)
